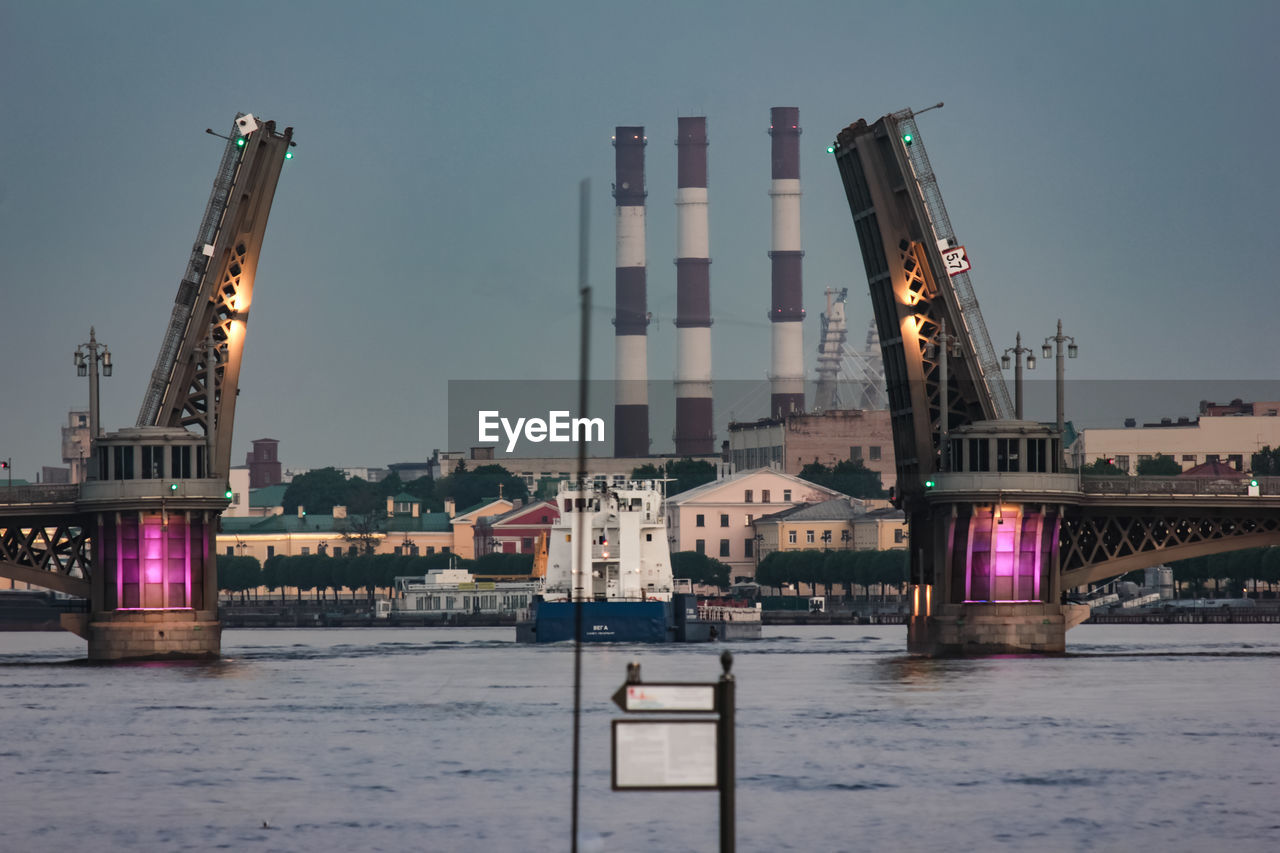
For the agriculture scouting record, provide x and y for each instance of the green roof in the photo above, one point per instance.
(406, 498)
(484, 502)
(268, 496)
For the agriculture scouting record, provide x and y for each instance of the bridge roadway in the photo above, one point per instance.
(1114, 525)
(1111, 525)
(44, 538)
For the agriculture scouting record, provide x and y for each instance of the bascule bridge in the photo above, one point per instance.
(137, 538)
(999, 527)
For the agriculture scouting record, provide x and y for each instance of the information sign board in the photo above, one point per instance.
(664, 755)
(690, 698)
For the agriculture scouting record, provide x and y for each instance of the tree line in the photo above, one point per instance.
(376, 571)
(366, 572)
(321, 490)
(834, 569)
(1233, 570)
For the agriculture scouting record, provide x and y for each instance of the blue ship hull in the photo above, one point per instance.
(673, 621)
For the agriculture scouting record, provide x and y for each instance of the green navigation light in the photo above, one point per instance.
(928, 484)
(831, 149)
(288, 155)
(240, 142)
(173, 487)
(907, 139)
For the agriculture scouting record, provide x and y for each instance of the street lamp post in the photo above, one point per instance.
(1072, 351)
(1018, 350)
(88, 357)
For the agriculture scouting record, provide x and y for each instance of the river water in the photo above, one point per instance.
(433, 739)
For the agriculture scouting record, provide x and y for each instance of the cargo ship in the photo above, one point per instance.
(621, 577)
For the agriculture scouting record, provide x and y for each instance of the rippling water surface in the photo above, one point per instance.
(1142, 738)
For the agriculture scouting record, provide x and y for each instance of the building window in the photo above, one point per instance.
(764, 496)
(979, 455)
(786, 494)
(231, 550)
(746, 522)
(1122, 462)
(700, 520)
(855, 454)
(724, 519)
(874, 452)
(152, 462)
(123, 462)
(808, 536)
(791, 536)
(748, 546)
(1007, 454)
(844, 536)
(306, 551)
(1189, 457)
(747, 496)
(724, 547)
(271, 551)
(897, 536)
(180, 460)
(700, 545)
(826, 537)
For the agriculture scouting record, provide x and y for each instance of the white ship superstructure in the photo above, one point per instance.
(626, 557)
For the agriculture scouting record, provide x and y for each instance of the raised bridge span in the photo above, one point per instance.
(137, 538)
(999, 527)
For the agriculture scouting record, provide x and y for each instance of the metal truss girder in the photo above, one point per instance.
(193, 398)
(54, 552)
(911, 296)
(1105, 542)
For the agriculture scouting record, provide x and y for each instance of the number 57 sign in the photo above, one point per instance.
(955, 260)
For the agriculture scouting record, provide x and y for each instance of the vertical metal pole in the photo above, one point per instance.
(1061, 375)
(1017, 377)
(94, 428)
(725, 758)
(584, 197)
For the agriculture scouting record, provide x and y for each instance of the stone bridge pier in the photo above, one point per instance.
(995, 546)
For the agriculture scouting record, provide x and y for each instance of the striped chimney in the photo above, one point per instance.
(631, 372)
(694, 436)
(787, 311)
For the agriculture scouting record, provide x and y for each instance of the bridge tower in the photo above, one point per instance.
(151, 504)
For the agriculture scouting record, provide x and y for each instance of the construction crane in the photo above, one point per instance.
(847, 378)
(197, 373)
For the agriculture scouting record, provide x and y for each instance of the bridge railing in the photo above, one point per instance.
(43, 493)
(1176, 485)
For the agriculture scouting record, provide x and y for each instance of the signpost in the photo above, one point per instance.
(955, 260)
(689, 753)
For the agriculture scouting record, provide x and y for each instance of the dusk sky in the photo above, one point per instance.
(1108, 163)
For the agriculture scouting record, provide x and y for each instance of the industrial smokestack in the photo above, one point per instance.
(631, 372)
(787, 312)
(694, 436)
